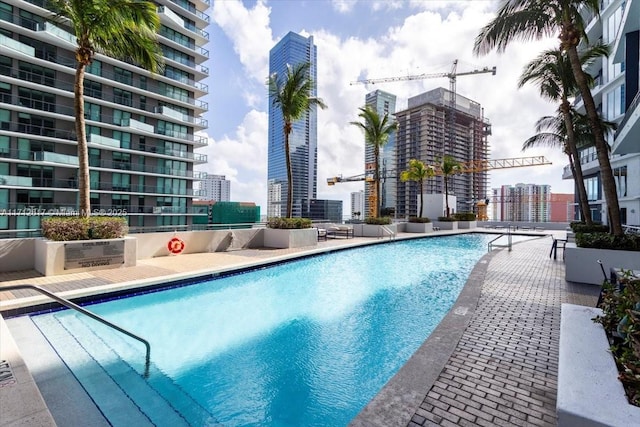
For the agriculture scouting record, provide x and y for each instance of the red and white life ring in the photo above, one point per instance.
(175, 246)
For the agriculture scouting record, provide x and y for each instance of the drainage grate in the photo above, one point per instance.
(6, 374)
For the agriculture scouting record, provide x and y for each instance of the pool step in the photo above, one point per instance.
(119, 389)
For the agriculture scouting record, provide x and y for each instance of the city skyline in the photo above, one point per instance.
(396, 39)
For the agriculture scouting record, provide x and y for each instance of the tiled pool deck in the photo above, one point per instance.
(492, 361)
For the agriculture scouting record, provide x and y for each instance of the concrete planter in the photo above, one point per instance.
(419, 227)
(53, 258)
(446, 225)
(290, 238)
(467, 224)
(581, 264)
(370, 230)
(589, 392)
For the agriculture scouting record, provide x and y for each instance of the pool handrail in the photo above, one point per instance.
(82, 310)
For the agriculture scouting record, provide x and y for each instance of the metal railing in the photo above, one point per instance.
(631, 229)
(94, 316)
(491, 244)
(384, 230)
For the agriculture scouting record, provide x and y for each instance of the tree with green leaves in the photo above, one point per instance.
(553, 74)
(535, 19)
(122, 29)
(418, 172)
(376, 134)
(292, 94)
(449, 167)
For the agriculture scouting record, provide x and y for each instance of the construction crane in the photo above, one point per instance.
(472, 166)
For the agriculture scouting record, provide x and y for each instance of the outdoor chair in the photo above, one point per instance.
(322, 234)
(557, 244)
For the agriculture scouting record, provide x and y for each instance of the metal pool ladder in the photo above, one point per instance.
(490, 245)
(94, 316)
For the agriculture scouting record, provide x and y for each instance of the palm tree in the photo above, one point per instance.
(449, 167)
(122, 29)
(535, 19)
(293, 95)
(376, 133)
(552, 132)
(551, 70)
(418, 172)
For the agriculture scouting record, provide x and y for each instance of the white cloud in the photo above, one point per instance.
(343, 6)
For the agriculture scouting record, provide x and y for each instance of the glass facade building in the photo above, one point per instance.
(141, 127)
(292, 50)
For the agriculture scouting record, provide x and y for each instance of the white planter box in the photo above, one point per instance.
(446, 225)
(467, 224)
(581, 264)
(290, 238)
(53, 258)
(370, 230)
(589, 392)
(419, 227)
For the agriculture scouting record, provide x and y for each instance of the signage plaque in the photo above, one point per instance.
(93, 254)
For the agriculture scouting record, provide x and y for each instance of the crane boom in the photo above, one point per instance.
(465, 167)
(451, 75)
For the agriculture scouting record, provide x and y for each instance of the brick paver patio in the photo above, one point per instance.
(503, 371)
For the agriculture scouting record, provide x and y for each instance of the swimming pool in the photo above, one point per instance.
(308, 342)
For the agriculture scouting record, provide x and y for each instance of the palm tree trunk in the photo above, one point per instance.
(602, 148)
(421, 198)
(376, 153)
(84, 185)
(574, 161)
(289, 174)
(446, 195)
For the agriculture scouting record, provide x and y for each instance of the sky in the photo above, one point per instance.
(363, 39)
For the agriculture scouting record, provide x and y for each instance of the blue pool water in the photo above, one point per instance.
(304, 343)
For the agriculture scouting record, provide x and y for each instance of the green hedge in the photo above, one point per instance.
(446, 219)
(381, 220)
(584, 228)
(288, 223)
(65, 228)
(419, 219)
(465, 216)
(627, 242)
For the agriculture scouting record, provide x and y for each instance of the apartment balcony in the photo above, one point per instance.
(15, 181)
(138, 125)
(49, 157)
(627, 136)
(169, 16)
(589, 165)
(56, 33)
(135, 167)
(192, 10)
(17, 46)
(177, 115)
(103, 140)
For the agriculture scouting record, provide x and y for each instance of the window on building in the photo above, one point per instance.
(121, 181)
(95, 68)
(121, 118)
(37, 99)
(172, 129)
(92, 111)
(92, 89)
(122, 75)
(620, 176)
(592, 188)
(4, 146)
(122, 97)
(123, 137)
(41, 176)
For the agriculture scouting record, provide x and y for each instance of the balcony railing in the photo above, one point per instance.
(630, 112)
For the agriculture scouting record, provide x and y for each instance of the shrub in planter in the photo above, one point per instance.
(621, 321)
(65, 228)
(580, 227)
(289, 223)
(382, 220)
(627, 242)
(419, 219)
(465, 216)
(446, 219)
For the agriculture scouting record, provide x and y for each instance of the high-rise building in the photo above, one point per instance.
(141, 127)
(358, 205)
(383, 103)
(292, 50)
(215, 187)
(522, 202)
(616, 96)
(428, 130)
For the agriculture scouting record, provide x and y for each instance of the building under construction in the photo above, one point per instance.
(431, 127)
